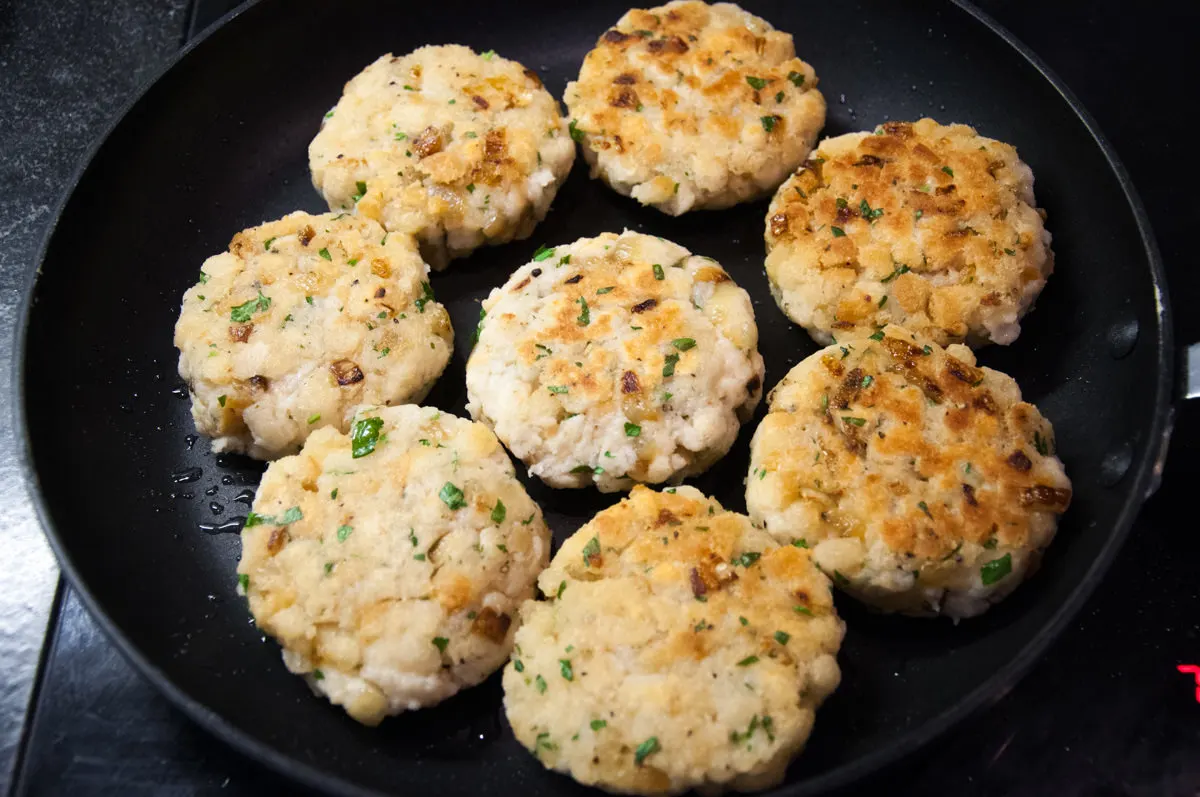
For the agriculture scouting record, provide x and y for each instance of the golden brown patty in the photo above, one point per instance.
(457, 148)
(691, 105)
(679, 648)
(616, 359)
(930, 226)
(300, 321)
(923, 483)
(389, 563)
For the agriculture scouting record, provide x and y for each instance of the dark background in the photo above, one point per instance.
(1105, 713)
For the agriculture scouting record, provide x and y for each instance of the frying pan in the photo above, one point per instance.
(143, 516)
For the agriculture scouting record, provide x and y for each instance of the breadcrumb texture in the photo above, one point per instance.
(922, 483)
(457, 148)
(930, 226)
(300, 321)
(678, 648)
(614, 360)
(387, 589)
(691, 105)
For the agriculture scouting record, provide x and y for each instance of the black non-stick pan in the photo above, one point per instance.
(144, 517)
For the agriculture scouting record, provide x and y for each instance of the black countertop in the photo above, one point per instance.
(1105, 713)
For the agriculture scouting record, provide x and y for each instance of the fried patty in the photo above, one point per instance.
(457, 148)
(389, 563)
(922, 483)
(614, 360)
(691, 105)
(299, 321)
(678, 648)
(930, 226)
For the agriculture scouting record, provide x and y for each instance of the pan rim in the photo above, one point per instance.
(1144, 476)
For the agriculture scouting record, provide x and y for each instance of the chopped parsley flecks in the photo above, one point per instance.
(602, 291)
(996, 569)
(800, 542)
(645, 749)
(543, 742)
(440, 642)
(924, 507)
(746, 559)
(669, 363)
(562, 586)
(518, 665)
(360, 190)
(769, 122)
(782, 637)
(267, 244)
(746, 662)
(927, 349)
(853, 421)
(869, 213)
(488, 55)
(866, 381)
(598, 724)
(557, 389)
(756, 83)
(540, 683)
(324, 252)
(543, 253)
(287, 518)
(499, 512)
(479, 326)
(243, 581)
(343, 532)
(364, 436)
(658, 272)
(797, 78)
(1040, 444)
(243, 312)
(948, 170)
(203, 279)
(838, 232)
(452, 496)
(426, 296)
(632, 429)
(683, 344)
(316, 416)
(591, 550)
(802, 610)
(564, 666)
(573, 129)
(585, 315)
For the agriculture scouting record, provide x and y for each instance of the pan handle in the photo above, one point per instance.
(1192, 385)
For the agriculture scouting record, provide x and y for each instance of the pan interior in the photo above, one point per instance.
(136, 505)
